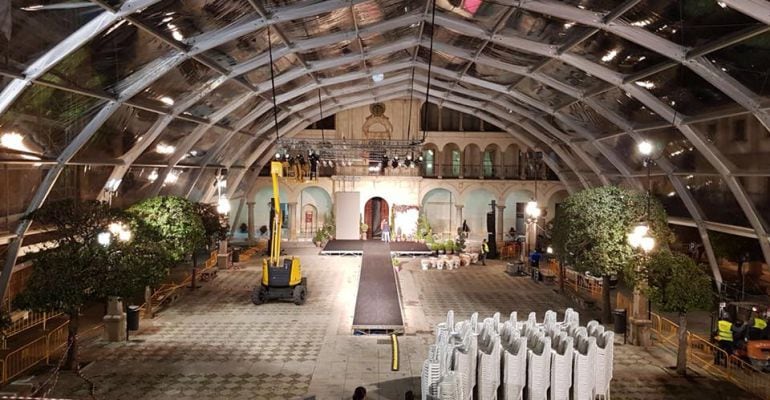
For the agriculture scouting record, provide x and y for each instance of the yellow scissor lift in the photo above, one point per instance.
(281, 278)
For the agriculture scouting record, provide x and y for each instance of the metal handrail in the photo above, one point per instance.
(22, 359)
(704, 354)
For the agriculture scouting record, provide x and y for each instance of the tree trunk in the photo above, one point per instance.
(71, 361)
(561, 276)
(681, 356)
(606, 304)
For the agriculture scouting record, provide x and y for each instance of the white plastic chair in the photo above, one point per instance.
(561, 366)
(488, 374)
(583, 374)
(538, 368)
(515, 368)
(605, 348)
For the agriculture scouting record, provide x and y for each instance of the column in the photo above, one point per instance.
(500, 231)
(223, 255)
(292, 220)
(250, 219)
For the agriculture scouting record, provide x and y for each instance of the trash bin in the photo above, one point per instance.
(620, 316)
(132, 318)
(236, 255)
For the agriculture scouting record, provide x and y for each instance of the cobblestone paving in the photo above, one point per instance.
(214, 344)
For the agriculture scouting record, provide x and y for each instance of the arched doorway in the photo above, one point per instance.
(375, 210)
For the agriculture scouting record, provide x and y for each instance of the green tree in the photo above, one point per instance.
(213, 226)
(591, 228)
(676, 284)
(175, 221)
(76, 269)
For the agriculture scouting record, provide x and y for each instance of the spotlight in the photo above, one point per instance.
(408, 162)
(277, 156)
(394, 163)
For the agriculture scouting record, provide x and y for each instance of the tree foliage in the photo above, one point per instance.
(175, 221)
(591, 228)
(676, 284)
(213, 227)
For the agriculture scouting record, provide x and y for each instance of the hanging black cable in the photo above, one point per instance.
(430, 63)
(272, 81)
(321, 111)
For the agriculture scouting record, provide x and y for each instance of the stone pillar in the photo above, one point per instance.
(438, 164)
(250, 220)
(222, 255)
(638, 323)
(292, 221)
(115, 321)
(500, 231)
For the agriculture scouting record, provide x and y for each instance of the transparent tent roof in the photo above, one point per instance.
(108, 83)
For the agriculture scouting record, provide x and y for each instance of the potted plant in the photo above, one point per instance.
(262, 230)
(364, 229)
(243, 228)
(449, 245)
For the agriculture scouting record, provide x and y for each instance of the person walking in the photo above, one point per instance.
(385, 228)
(484, 251)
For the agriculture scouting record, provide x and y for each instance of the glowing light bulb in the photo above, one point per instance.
(645, 148)
(104, 238)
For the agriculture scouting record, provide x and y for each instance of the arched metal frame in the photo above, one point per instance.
(523, 123)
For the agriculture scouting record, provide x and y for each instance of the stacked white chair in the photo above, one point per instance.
(448, 387)
(488, 380)
(561, 366)
(431, 374)
(583, 376)
(605, 348)
(514, 363)
(538, 367)
(552, 360)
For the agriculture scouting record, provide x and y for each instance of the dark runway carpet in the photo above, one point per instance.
(377, 303)
(356, 247)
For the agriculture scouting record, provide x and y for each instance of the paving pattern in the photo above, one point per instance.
(214, 344)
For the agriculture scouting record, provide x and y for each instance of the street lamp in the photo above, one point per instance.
(640, 237)
(116, 229)
(532, 211)
(223, 204)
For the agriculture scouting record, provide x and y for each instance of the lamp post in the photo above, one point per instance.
(115, 317)
(532, 211)
(641, 240)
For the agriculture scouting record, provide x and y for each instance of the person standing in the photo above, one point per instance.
(484, 251)
(385, 228)
(724, 339)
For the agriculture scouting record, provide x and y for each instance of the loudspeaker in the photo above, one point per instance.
(491, 237)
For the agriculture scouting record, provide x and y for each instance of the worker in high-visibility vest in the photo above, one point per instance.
(724, 337)
(757, 328)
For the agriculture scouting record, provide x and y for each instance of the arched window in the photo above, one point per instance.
(488, 164)
(428, 157)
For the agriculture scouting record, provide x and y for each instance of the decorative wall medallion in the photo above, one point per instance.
(377, 125)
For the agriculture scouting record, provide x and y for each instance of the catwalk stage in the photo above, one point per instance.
(378, 303)
(356, 248)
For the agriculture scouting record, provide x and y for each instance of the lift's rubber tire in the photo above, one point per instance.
(299, 295)
(258, 295)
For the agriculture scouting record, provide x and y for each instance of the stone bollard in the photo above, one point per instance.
(640, 332)
(115, 321)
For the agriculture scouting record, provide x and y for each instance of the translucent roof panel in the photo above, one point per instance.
(687, 23)
(124, 129)
(108, 60)
(35, 31)
(617, 53)
(95, 79)
(748, 62)
(48, 119)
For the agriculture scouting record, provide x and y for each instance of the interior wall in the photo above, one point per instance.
(476, 206)
(348, 227)
(438, 206)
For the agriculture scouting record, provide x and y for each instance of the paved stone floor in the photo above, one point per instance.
(214, 344)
